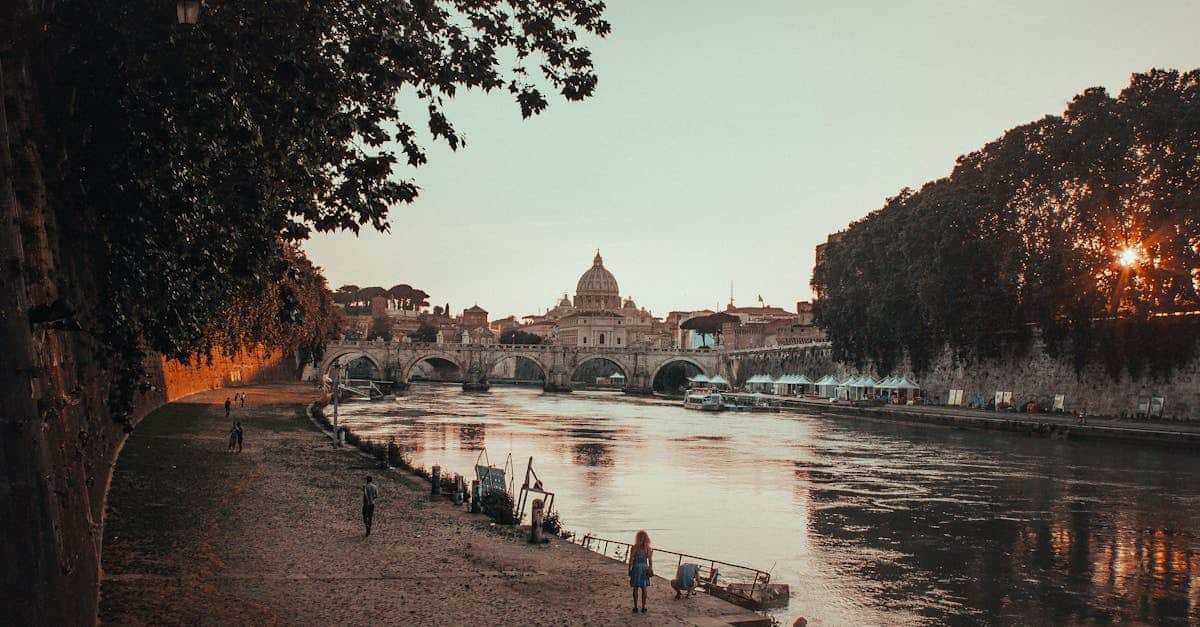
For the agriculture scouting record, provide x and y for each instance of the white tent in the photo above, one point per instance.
(700, 378)
(905, 384)
(760, 383)
(719, 381)
(826, 384)
(616, 375)
(793, 384)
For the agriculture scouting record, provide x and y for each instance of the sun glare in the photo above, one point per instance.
(1128, 256)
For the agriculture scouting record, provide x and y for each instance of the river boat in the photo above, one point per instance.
(704, 399)
(756, 597)
(733, 401)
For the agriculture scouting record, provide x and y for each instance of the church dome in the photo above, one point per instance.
(597, 288)
(597, 280)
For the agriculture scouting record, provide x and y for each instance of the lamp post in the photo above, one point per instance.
(187, 11)
(337, 389)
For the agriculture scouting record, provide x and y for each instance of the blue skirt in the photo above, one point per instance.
(639, 575)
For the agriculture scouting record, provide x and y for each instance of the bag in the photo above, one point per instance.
(649, 573)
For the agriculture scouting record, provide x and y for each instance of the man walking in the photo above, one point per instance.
(228, 404)
(370, 493)
(237, 428)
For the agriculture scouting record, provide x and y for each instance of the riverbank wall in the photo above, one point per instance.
(1035, 377)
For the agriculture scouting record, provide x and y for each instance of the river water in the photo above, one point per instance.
(870, 522)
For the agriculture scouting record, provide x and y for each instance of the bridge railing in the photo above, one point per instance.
(544, 348)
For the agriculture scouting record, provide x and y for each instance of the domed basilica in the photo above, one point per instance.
(597, 288)
(598, 316)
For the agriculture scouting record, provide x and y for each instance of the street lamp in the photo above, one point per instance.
(337, 391)
(187, 11)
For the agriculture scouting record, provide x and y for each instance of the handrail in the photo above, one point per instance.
(602, 545)
(521, 347)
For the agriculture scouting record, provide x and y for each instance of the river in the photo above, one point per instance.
(870, 522)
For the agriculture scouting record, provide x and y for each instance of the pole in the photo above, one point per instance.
(337, 388)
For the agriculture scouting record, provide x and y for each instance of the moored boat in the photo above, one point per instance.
(757, 597)
(704, 399)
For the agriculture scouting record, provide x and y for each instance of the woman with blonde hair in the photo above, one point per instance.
(641, 567)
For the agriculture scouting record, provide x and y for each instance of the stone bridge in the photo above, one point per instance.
(396, 360)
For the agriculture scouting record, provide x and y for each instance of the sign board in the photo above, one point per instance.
(1156, 406)
(490, 479)
(1143, 406)
(1008, 398)
(956, 397)
(1060, 402)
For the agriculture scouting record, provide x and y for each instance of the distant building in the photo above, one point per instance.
(599, 316)
(476, 316)
(604, 329)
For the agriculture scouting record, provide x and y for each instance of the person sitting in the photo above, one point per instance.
(687, 577)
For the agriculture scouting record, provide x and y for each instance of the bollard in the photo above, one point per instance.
(436, 477)
(535, 522)
(476, 497)
(341, 437)
(458, 489)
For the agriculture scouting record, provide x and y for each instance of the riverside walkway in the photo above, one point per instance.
(273, 535)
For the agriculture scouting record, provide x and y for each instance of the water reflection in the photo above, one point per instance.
(870, 522)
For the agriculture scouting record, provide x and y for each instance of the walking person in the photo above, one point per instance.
(641, 567)
(227, 406)
(243, 399)
(237, 429)
(370, 493)
(233, 438)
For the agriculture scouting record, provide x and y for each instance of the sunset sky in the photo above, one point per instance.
(727, 139)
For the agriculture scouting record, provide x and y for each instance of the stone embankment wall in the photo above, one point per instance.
(173, 379)
(1039, 378)
(1035, 377)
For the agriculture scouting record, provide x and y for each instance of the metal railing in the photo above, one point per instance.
(540, 348)
(734, 573)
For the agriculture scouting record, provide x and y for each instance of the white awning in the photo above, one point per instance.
(793, 379)
(905, 384)
(616, 375)
(828, 380)
(760, 378)
(718, 380)
(700, 378)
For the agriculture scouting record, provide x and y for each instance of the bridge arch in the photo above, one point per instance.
(517, 357)
(625, 370)
(662, 369)
(442, 356)
(346, 357)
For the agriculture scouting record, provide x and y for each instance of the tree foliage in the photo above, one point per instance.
(1083, 226)
(381, 327)
(425, 333)
(187, 157)
(517, 336)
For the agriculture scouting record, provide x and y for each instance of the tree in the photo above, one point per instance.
(158, 171)
(425, 333)
(517, 336)
(1082, 227)
(381, 327)
(709, 325)
(346, 294)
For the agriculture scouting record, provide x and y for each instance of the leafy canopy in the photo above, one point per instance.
(190, 155)
(1083, 226)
